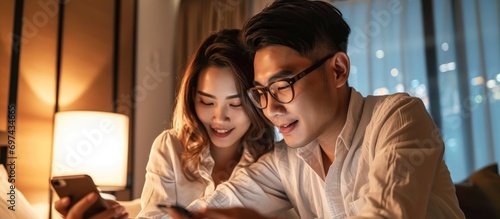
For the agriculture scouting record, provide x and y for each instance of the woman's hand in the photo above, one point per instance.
(77, 211)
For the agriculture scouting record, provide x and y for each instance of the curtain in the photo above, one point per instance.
(445, 52)
(197, 19)
(469, 56)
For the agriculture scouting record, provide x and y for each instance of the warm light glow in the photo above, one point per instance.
(394, 72)
(491, 84)
(93, 143)
(379, 53)
(381, 91)
(477, 80)
(400, 88)
(447, 67)
(445, 46)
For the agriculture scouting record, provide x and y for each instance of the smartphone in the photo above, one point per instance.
(167, 208)
(76, 187)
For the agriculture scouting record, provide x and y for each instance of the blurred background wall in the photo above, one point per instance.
(111, 56)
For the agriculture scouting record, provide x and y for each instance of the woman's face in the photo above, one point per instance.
(218, 106)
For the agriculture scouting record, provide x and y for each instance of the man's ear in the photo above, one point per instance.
(341, 65)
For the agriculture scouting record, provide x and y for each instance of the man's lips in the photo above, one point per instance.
(287, 127)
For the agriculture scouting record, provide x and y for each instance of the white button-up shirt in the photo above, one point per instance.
(388, 164)
(165, 181)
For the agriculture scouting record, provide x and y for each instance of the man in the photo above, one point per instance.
(347, 155)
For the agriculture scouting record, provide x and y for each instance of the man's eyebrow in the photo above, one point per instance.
(213, 97)
(278, 75)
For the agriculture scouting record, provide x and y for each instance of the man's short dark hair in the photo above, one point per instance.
(299, 24)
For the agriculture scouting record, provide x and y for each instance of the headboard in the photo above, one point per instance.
(3, 147)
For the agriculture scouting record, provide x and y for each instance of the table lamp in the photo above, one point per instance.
(92, 143)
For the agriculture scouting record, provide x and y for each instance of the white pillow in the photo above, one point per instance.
(13, 204)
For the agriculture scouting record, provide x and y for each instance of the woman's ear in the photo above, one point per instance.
(341, 67)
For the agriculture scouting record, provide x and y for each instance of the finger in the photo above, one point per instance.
(61, 206)
(81, 206)
(116, 211)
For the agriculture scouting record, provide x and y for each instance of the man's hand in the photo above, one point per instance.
(223, 213)
(77, 211)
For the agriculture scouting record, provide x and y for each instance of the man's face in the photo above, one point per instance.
(314, 106)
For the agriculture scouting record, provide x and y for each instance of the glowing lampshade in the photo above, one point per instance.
(93, 143)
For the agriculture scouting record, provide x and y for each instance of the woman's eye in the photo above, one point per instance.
(206, 103)
(235, 105)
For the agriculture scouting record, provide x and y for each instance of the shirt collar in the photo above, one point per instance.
(311, 154)
(354, 111)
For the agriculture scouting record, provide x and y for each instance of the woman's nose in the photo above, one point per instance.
(221, 114)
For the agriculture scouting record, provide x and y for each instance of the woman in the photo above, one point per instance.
(216, 130)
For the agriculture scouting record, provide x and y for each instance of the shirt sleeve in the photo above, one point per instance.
(160, 181)
(406, 152)
(258, 187)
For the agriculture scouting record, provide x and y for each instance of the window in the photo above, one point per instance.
(388, 55)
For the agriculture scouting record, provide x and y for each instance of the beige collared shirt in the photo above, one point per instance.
(388, 164)
(165, 181)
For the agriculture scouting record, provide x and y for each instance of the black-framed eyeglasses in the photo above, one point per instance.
(281, 90)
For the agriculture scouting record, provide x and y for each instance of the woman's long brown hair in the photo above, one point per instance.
(221, 49)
